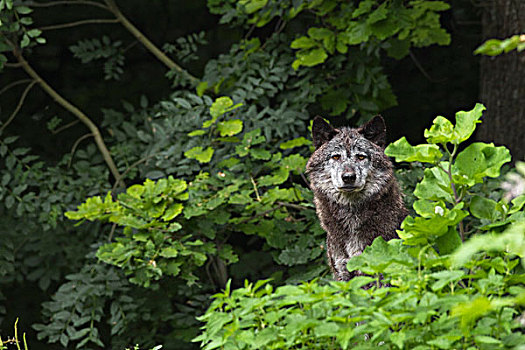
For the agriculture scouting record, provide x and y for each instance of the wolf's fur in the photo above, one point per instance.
(356, 195)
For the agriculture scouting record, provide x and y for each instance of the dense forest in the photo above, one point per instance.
(152, 168)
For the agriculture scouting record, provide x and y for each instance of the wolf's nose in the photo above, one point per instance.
(348, 178)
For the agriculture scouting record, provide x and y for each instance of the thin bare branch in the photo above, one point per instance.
(78, 23)
(12, 65)
(294, 206)
(64, 127)
(75, 145)
(13, 84)
(72, 109)
(138, 162)
(19, 106)
(68, 2)
(255, 216)
(112, 6)
(423, 71)
(110, 236)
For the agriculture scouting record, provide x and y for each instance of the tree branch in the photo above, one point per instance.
(72, 109)
(17, 109)
(12, 65)
(75, 145)
(78, 23)
(423, 71)
(294, 206)
(112, 6)
(138, 162)
(64, 127)
(13, 84)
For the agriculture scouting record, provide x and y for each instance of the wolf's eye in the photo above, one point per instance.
(361, 157)
(336, 157)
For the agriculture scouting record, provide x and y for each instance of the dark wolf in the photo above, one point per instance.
(356, 195)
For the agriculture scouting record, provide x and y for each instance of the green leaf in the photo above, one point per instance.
(169, 252)
(135, 191)
(466, 123)
(398, 48)
(220, 106)
(420, 230)
(445, 277)
(470, 311)
(326, 329)
(404, 152)
(494, 47)
(381, 256)
(23, 10)
(303, 42)
(325, 35)
(480, 160)
(198, 132)
(172, 211)
(356, 33)
(364, 7)
(517, 204)
(441, 131)
(25, 41)
(435, 186)
(310, 58)
(200, 154)
(483, 208)
(182, 102)
(484, 339)
(378, 14)
(34, 32)
(251, 6)
(298, 142)
(230, 127)
(259, 153)
(449, 242)
(201, 88)
(398, 338)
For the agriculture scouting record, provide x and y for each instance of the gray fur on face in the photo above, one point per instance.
(356, 195)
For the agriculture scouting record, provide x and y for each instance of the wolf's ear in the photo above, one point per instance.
(322, 132)
(375, 131)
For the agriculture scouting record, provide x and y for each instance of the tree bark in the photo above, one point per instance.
(502, 79)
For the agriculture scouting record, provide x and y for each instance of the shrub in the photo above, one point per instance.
(428, 290)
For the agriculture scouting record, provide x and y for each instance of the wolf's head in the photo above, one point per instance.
(349, 163)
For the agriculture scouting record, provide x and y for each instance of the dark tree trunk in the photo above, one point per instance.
(502, 79)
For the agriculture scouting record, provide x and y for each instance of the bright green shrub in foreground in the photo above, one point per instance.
(427, 290)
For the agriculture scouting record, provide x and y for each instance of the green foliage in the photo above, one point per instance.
(185, 48)
(16, 22)
(213, 174)
(156, 242)
(421, 303)
(78, 306)
(443, 193)
(152, 245)
(415, 294)
(495, 47)
(95, 49)
(393, 25)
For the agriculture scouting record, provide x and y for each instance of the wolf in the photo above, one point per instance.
(356, 195)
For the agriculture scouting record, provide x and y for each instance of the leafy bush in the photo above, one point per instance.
(419, 296)
(223, 154)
